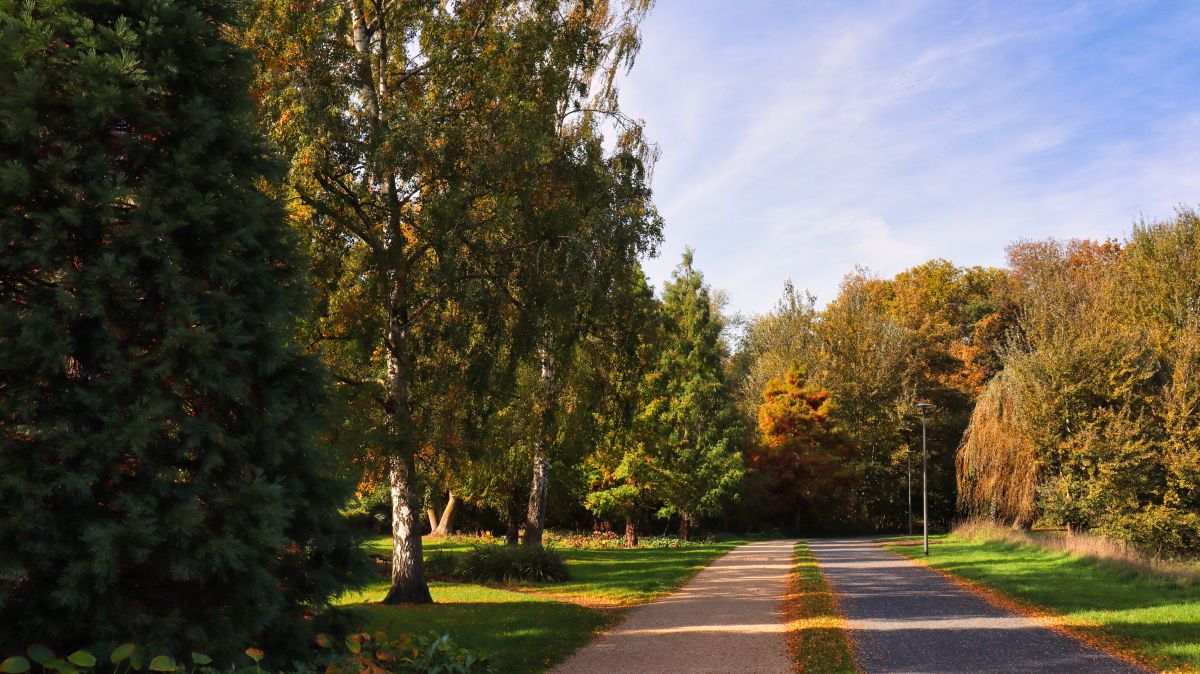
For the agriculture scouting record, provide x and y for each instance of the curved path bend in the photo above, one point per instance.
(727, 619)
(904, 617)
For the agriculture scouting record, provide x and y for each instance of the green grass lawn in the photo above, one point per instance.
(1158, 619)
(530, 628)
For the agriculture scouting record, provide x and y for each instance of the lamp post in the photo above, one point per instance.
(924, 479)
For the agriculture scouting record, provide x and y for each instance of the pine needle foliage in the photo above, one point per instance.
(156, 477)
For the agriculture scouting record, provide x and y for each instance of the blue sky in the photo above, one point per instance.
(800, 139)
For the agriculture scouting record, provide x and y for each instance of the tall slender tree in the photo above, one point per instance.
(425, 146)
(698, 457)
(620, 467)
(157, 479)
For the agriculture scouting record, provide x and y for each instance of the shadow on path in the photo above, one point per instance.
(906, 618)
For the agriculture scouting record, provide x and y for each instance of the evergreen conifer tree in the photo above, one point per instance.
(699, 456)
(156, 478)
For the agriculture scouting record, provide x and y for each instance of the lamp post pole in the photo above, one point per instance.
(924, 480)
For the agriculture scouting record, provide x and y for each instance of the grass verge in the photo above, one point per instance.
(1152, 620)
(529, 627)
(817, 635)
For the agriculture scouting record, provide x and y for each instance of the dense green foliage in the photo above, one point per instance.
(358, 652)
(697, 457)
(156, 472)
(928, 334)
(1097, 403)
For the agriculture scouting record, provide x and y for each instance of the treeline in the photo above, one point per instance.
(834, 393)
(1063, 392)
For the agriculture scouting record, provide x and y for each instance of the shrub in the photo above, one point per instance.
(510, 563)
(1161, 532)
(609, 540)
(370, 511)
(405, 653)
(441, 565)
(361, 652)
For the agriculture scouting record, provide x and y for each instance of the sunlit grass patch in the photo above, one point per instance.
(528, 627)
(523, 632)
(817, 635)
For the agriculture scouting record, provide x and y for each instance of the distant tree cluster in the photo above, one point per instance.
(1064, 391)
(862, 362)
(1093, 421)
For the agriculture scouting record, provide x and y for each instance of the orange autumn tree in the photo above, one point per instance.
(803, 456)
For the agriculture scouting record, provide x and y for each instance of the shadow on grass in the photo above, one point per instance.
(521, 636)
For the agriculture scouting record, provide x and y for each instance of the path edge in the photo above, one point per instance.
(1091, 636)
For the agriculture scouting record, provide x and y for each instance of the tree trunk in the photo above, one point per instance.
(408, 566)
(408, 569)
(535, 517)
(631, 538)
(684, 526)
(433, 523)
(446, 524)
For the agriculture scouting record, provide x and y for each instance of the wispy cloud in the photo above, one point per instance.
(802, 139)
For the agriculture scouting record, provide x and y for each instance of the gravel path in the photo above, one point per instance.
(907, 618)
(727, 619)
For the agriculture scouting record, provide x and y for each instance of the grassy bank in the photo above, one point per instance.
(1155, 618)
(818, 639)
(528, 628)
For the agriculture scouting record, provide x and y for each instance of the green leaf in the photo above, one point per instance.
(137, 659)
(201, 659)
(162, 663)
(63, 666)
(353, 645)
(121, 653)
(14, 665)
(40, 654)
(82, 658)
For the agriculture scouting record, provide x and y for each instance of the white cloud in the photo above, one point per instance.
(799, 143)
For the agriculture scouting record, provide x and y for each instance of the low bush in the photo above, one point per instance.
(362, 652)
(610, 540)
(441, 565)
(1159, 532)
(511, 563)
(432, 653)
(369, 512)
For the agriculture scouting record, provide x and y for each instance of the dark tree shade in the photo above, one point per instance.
(157, 482)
